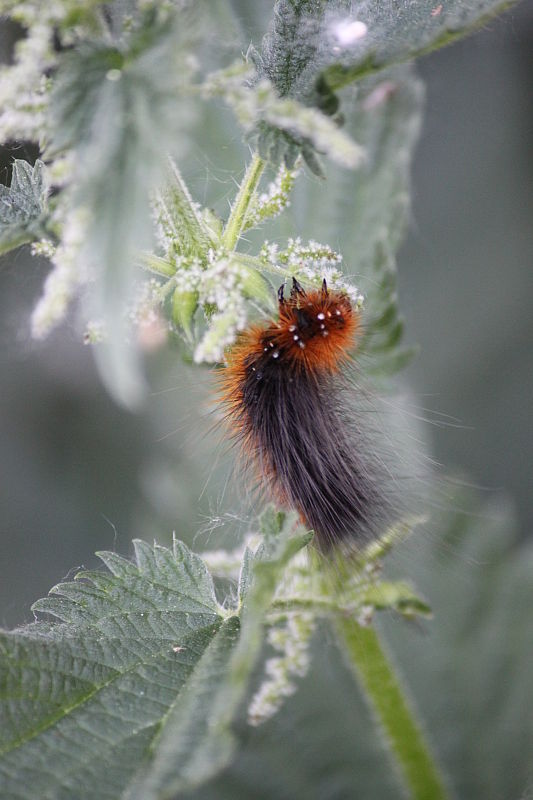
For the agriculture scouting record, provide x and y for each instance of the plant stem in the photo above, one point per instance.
(385, 695)
(237, 217)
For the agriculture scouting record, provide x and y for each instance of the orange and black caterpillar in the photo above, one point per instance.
(284, 392)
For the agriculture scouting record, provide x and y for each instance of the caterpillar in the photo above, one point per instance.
(284, 393)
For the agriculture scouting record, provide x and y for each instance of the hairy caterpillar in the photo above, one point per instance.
(284, 390)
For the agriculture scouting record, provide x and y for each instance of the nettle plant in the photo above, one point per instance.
(129, 682)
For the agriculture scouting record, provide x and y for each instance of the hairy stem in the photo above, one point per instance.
(384, 694)
(237, 217)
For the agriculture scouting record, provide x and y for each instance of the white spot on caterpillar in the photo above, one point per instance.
(301, 344)
(338, 313)
(322, 327)
(276, 354)
(292, 328)
(325, 333)
(295, 337)
(321, 316)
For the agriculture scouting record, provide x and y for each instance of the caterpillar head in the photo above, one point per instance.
(316, 328)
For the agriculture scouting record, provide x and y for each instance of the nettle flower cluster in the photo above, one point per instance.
(290, 639)
(309, 259)
(215, 289)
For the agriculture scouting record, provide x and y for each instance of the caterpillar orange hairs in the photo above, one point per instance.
(283, 389)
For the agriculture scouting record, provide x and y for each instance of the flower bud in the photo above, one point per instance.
(254, 285)
(184, 304)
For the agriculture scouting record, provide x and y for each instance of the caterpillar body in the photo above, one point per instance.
(283, 390)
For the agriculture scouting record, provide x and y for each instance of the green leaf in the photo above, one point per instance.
(120, 109)
(185, 751)
(313, 47)
(23, 205)
(394, 596)
(93, 692)
(393, 537)
(289, 50)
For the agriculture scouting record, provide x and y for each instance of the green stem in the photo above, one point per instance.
(385, 695)
(237, 217)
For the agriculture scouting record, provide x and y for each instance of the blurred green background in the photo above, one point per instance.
(80, 474)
